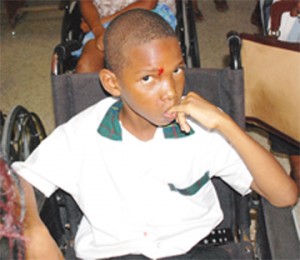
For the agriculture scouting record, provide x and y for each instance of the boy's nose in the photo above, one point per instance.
(169, 90)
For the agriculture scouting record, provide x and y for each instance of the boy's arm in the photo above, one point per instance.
(269, 178)
(39, 243)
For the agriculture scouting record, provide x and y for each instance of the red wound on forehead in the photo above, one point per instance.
(160, 71)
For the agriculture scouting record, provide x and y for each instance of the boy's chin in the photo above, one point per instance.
(166, 123)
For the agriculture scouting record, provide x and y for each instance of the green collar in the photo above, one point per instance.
(111, 129)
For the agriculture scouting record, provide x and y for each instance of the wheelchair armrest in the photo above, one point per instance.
(234, 42)
(61, 53)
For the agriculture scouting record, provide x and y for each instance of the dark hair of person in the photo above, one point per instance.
(134, 27)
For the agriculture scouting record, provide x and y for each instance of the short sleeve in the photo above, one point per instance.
(50, 165)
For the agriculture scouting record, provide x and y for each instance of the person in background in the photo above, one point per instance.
(97, 14)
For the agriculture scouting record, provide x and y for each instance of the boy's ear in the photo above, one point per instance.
(109, 82)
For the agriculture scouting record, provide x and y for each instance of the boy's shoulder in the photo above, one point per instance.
(95, 111)
(90, 117)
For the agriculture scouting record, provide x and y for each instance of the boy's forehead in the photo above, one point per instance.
(156, 52)
(151, 46)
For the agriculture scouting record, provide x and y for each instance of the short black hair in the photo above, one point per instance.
(132, 28)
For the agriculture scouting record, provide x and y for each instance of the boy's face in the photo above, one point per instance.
(152, 81)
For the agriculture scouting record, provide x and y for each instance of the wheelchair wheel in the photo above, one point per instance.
(22, 133)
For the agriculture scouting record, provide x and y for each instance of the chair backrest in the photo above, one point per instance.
(74, 92)
(272, 85)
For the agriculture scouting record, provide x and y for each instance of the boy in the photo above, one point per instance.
(137, 165)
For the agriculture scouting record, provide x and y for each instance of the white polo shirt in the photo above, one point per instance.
(153, 198)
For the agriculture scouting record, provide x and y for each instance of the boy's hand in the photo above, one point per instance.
(200, 110)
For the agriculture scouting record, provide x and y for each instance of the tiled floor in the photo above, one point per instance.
(25, 63)
(25, 57)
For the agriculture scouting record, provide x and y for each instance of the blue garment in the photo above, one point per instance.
(162, 9)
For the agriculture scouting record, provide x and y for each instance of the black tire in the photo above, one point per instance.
(22, 133)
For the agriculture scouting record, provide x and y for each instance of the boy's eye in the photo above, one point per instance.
(178, 70)
(146, 79)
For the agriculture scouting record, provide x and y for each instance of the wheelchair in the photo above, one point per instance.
(21, 132)
(271, 79)
(71, 36)
(73, 92)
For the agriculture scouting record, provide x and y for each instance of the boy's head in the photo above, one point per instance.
(145, 68)
(129, 29)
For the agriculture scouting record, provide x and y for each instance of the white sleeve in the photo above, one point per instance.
(51, 165)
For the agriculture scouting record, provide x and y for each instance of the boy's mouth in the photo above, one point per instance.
(170, 116)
